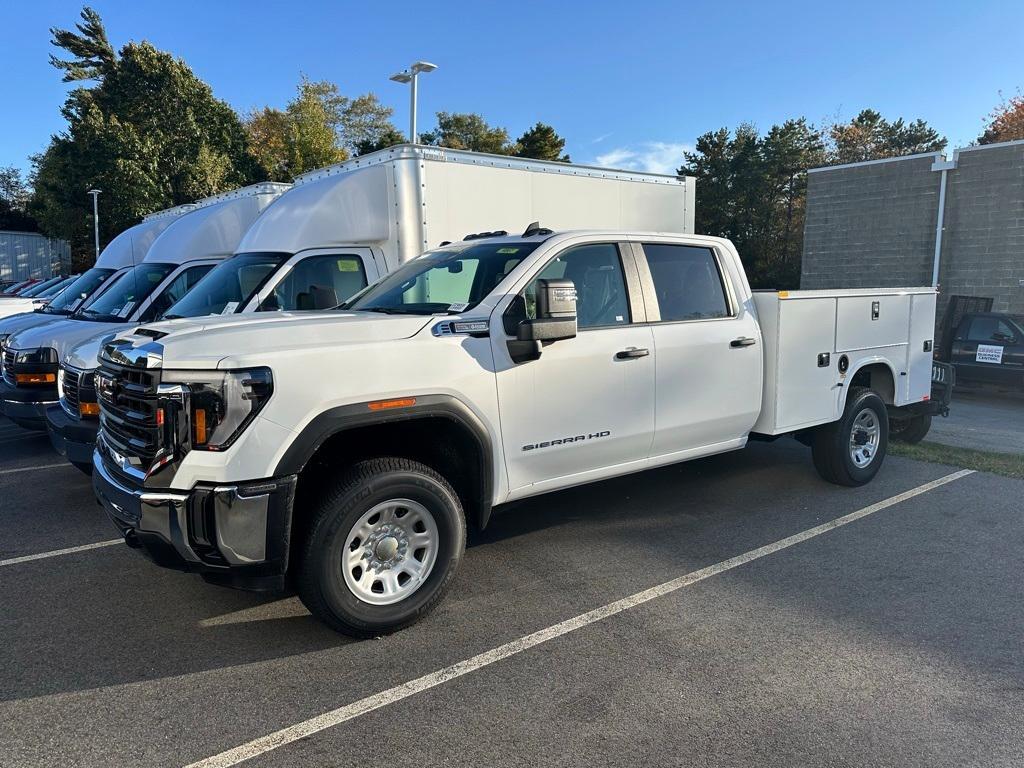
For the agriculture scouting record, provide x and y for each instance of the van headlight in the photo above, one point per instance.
(220, 404)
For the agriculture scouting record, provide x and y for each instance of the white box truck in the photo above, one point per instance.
(183, 252)
(344, 453)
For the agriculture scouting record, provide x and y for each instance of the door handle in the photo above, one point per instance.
(632, 353)
(742, 342)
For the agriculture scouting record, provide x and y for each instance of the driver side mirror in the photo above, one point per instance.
(555, 320)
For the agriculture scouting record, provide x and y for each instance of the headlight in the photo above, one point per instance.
(40, 356)
(221, 404)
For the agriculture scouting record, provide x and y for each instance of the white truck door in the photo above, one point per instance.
(586, 407)
(318, 278)
(708, 345)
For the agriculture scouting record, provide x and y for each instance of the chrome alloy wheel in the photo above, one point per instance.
(864, 438)
(390, 551)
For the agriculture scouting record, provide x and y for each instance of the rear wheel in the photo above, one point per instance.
(383, 547)
(912, 430)
(851, 451)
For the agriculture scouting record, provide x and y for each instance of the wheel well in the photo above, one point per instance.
(876, 376)
(442, 443)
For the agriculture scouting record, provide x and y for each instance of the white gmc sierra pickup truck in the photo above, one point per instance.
(343, 453)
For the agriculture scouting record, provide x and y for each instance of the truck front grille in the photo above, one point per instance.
(70, 386)
(128, 412)
(8, 366)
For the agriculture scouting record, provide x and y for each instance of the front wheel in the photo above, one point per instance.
(851, 451)
(382, 549)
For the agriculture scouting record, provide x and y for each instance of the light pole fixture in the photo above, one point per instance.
(410, 76)
(96, 217)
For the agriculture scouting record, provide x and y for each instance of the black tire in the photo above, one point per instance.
(82, 467)
(831, 448)
(320, 579)
(912, 430)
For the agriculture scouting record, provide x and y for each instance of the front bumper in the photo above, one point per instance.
(72, 438)
(25, 405)
(234, 535)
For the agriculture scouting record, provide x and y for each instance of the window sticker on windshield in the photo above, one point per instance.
(126, 309)
(230, 307)
(348, 265)
(508, 250)
(457, 307)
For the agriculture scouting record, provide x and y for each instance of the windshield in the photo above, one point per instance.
(122, 298)
(445, 281)
(53, 290)
(78, 291)
(38, 288)
(228, 287)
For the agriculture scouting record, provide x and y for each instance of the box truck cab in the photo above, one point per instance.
(176, 260)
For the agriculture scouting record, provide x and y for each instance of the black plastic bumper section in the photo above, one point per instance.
(25, 405)
(234, 535)
(74, 439)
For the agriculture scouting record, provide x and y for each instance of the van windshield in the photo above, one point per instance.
(84, 286)
(118, 302)
(451, 280)
(38, 288)
(229, 286)
(53, 290)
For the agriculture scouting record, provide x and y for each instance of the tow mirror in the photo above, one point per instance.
(555, 320)
(556, 313)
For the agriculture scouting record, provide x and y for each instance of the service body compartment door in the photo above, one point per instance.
(918, 382)
(869, 321)
(806, 392)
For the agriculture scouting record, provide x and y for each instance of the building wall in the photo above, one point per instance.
(28, 254)
(873, 225)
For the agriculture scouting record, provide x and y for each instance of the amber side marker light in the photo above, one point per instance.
(88, 409)
(35, 378)
(200, 426)
(402, 402)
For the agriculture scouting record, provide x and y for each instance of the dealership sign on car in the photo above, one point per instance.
(989, 353)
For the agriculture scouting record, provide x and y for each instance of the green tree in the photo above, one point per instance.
(869, 136)
(468, 131)
(149, 133)
(366, 125)
(14, 197)
(541, 142)
(752, 190)
(1006, 123)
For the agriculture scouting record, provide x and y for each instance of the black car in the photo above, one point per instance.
(988, 348)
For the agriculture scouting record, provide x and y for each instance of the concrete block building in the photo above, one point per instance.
(920, 220)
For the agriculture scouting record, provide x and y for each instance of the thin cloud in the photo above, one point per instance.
(649, 156)
(601, 138)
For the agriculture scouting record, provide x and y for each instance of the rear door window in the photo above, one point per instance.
(687, 283)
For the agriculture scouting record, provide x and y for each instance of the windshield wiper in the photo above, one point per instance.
(389, 311)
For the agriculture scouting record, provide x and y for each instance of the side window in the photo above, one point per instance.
(175, 290)
(318, 282)
(990, 329)
(686, 282)
(596, 271)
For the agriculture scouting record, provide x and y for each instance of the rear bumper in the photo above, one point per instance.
(234, 535)
(25, 405)
(72, 438)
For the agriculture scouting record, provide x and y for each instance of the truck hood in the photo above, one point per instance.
(14, 306)
(209, 342)
(63, 335)
(15, 323)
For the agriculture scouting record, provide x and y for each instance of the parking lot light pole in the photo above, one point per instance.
(96, 217)
(410, 76)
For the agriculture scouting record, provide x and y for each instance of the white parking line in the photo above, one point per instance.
(59, 552)
(32, 469)
(378, 700)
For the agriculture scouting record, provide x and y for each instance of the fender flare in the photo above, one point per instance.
(355, 415)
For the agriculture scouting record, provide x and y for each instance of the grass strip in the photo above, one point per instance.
(1006, 464)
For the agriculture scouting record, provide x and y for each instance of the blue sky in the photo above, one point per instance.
(628, 84)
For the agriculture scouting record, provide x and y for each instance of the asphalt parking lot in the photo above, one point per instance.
(895, 639)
